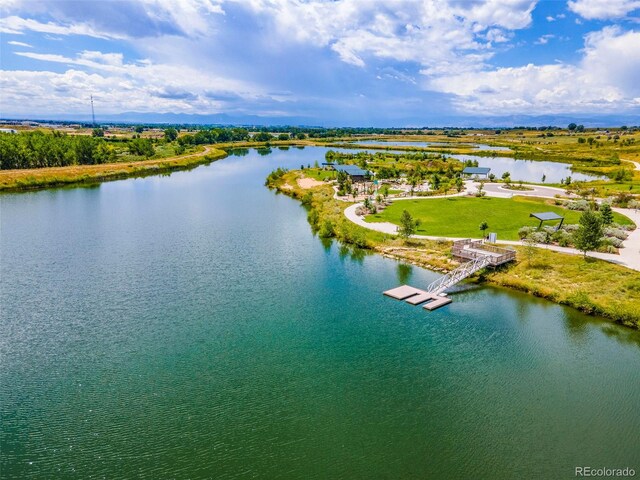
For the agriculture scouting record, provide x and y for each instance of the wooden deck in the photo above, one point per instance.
(472, 249)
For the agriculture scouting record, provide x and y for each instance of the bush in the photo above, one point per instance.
(538, 237)
(524, 232)
(580, 205)
(562, 237)
(326, 230)
(615, 232)
(313, 217)
(613, 241)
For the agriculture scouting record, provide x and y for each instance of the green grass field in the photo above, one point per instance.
(320, 174)
(461, 216)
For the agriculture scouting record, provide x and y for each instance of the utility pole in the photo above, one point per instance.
(93, 114)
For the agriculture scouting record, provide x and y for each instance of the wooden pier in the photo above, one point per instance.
(478, 255)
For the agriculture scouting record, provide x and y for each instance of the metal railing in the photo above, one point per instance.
(460, 273)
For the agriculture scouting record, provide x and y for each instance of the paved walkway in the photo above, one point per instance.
(498, 190)
(635, 164)
(629, 255)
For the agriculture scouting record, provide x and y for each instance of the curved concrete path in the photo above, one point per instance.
(497, 190)
(629, 256)
(635, 164)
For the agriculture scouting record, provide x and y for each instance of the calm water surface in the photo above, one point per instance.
(528, 170)
(191, 326)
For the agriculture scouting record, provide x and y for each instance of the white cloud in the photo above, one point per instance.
(119, 86)
(604, 80)
(544, 39)
(440, 35)
(20, 44)
(17, 25)
(603, 9)
(124, 19)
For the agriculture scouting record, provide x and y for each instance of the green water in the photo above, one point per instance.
(191, 326)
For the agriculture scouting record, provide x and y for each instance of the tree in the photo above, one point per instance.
(413, 181)
(141, 146)
(408, 225)
(139, 129)
(170, 134)
(384, 190)
(589, 234)
(529, 247)
(435, 181)
(506, 177)
(572, 127)
(483, 227)
(97, 132)
(263, 137)
(459, 184)
(580, 128)
(606, 214)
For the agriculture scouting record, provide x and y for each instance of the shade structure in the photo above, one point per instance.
(476, 170)
(548, 216)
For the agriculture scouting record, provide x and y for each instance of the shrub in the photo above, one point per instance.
(326, 230)
(580, 205)
(524, 232)
(612, 241)
(616, 232)
(313, 217)
(538, 237)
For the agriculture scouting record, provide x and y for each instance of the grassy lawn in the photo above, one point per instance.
(320, 174)
(461, 216)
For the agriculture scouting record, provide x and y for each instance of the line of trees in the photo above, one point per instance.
(214, 135)
(38, 149)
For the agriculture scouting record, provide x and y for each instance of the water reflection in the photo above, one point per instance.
(263, 151)
(404, 272)
(239, 152)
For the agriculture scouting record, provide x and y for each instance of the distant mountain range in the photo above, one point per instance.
(504, 121)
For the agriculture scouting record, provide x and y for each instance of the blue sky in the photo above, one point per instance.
(350, 62)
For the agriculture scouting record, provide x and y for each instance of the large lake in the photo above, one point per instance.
(191, 326)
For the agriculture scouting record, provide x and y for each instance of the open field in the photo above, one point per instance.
(461, 216)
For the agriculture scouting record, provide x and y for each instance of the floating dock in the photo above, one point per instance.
(415, 296)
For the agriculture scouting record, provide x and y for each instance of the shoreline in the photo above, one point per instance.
(25, 180)
(21, 180)
(592, 286)
(33, 179)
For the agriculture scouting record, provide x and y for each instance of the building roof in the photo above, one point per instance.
(476, 170)
(546, 216)
(351, 170)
